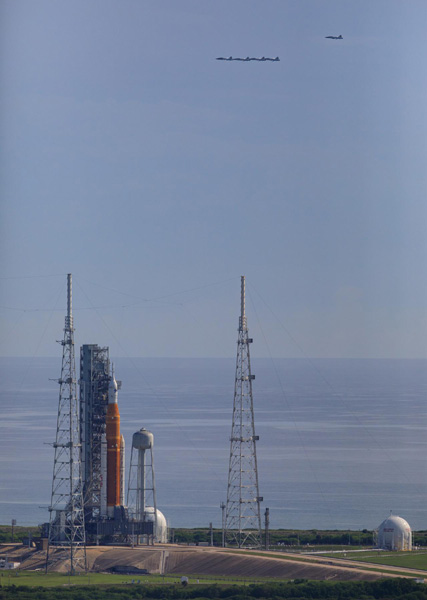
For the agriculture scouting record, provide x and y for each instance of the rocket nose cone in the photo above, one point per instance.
(113, 382)
(112, 390)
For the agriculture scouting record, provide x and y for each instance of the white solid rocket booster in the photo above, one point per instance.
(122, 470)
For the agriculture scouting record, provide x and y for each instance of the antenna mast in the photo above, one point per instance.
(243, 516)
(66, 539)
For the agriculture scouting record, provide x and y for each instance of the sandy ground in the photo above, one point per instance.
(216, 562)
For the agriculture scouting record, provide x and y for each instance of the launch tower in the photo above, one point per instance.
(88, 487)
(94, 382)
(103, 447)
(66, 538)
(243, 516)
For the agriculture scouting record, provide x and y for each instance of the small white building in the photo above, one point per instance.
(8, 564)
(395, 534)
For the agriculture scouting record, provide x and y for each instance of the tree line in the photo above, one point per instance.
(387, 589)
(17, 534)
(278, 537)
(288, 537)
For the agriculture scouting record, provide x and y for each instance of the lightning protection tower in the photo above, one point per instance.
(66, 539)
(243, 516)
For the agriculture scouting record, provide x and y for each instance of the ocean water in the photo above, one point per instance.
(342, 442)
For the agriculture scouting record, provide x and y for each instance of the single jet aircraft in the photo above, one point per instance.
(334, 37)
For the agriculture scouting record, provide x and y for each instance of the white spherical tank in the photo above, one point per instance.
(142, 439)
(161, 533)
(395, 534)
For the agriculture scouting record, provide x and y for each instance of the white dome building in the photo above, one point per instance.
(161, 528)
(395, 534)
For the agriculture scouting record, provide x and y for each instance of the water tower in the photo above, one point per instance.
(141, 499)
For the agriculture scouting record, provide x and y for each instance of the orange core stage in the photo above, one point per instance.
(113, 455)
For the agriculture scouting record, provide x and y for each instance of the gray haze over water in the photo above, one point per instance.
(342, 442)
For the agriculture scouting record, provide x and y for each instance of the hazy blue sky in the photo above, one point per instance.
(136, 161)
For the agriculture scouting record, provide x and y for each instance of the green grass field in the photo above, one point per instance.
(32, 579)
(408, 560)
(40, 579)
(60, 579)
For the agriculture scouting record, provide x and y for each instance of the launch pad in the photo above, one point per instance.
(88, 486)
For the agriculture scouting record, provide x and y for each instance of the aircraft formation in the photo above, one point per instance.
(247, 59)
(277, 59)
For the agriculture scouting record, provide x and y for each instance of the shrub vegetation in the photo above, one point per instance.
(389, 589)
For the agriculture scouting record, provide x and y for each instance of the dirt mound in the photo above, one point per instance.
(15, 552)
(253, 567)
(35, 560)
(213, 562)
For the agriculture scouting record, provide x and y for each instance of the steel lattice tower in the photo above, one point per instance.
(94, 382)
(66, 539)
(243, 516)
